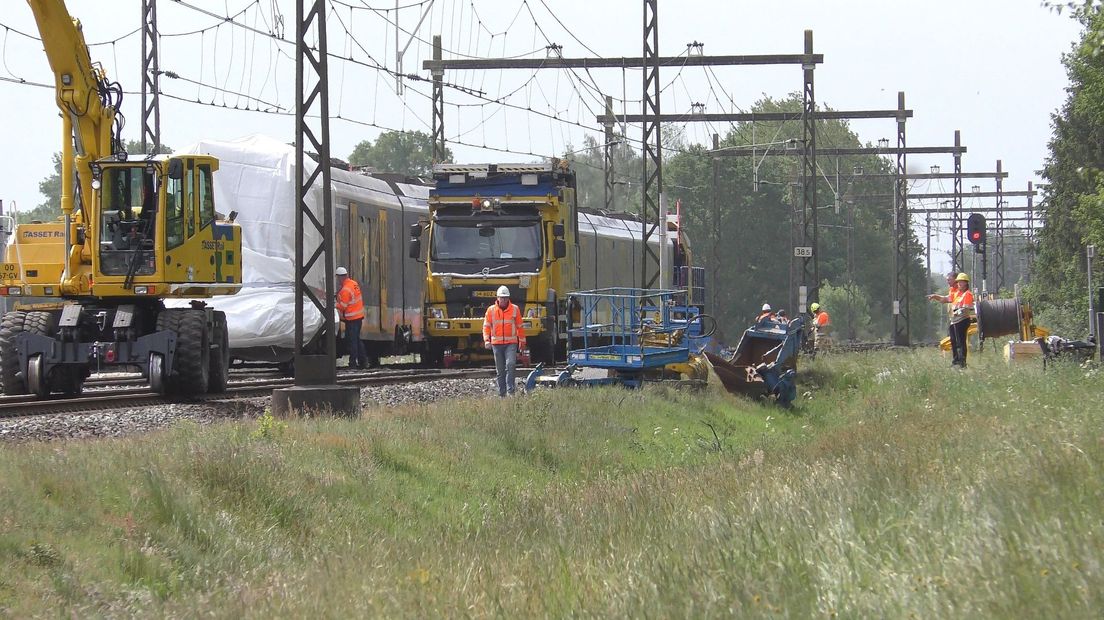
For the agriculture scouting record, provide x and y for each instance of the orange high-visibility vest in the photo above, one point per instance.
(503, 326)
(964, 301)
(822, 319)
(350, 304)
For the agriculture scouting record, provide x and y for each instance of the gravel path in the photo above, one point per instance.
(122, 422)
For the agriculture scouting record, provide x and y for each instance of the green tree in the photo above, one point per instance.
(404, 152)
(1074, 198)
(746, 248)
(50, 188)
(589, 166)
(849, 308)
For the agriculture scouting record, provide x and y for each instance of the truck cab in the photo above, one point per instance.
(492, 225)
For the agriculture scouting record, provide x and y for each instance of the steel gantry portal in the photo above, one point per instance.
(315, 365)
(901, 229)
(900, 197)
(651, 118)
(998, 264)
(808, 239)
(151, 76)
(810, 265)
(956, 225)
(651, 267)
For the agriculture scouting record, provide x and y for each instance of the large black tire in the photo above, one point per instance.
(192, 362)
(10, 327)
(34, 322)
(219, 375)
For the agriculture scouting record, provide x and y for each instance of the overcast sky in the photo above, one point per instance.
(990, 68)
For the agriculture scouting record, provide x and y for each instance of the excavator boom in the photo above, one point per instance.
(131, 233)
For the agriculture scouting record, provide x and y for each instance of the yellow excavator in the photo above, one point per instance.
(133, 232)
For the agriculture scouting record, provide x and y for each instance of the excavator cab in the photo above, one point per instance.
(149, 232)
(157, 232)
(131, 234)
(128, 220)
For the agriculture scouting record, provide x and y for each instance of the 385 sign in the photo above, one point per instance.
(803, 251)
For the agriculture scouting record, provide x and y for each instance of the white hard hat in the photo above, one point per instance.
(766, 308)
(341, 271)
(503, 291)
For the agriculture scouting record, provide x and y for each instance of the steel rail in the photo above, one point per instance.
(26, 405)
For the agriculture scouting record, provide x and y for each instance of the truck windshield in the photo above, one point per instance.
(480, 241)
(128, 208)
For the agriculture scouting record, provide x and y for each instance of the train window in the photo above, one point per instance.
(517, 241)
(206, 196)
(367, 248)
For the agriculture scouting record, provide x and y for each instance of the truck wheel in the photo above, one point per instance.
(15, 323)
(10, 327)
(39, 381)
(192, 361)
(219, 363)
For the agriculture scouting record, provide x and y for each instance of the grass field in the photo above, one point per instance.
(898, 487)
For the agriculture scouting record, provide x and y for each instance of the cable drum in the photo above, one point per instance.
(998, 317)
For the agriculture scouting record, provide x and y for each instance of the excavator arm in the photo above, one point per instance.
(133, 233)
(89, 105)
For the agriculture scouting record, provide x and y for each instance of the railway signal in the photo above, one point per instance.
(975, 229)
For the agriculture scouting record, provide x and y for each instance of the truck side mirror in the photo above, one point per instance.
(176, 169)
(416, 230)
(557, 230)
(415, 248)
(559, 248)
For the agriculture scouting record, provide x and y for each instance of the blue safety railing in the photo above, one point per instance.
(628, 329)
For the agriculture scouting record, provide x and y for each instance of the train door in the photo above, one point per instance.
(361, 242)
(382, 255)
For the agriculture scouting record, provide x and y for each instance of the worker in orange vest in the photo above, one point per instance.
(350, 307)
(822, 324)
(765, 314)
(962, 313)
(504, 334)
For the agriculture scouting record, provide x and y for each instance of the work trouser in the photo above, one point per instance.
(358, 356)
(957, 332)
(821, 340)
(505, 364)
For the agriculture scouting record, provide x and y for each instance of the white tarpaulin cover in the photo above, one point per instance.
(255, 178)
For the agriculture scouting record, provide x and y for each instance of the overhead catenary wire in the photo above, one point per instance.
(374, 65)
(228, 96)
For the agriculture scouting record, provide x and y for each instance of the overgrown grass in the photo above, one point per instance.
(897, 487)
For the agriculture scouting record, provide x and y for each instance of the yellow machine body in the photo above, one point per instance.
(165, 243)
(131, 233)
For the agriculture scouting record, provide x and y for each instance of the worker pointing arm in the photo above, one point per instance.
(950, 290)
(962, 312)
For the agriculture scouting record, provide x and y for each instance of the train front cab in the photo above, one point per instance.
(476, 247)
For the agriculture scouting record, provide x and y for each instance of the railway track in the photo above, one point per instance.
(861, 347)
(239, 388)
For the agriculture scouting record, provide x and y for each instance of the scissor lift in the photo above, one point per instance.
(624, 331)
